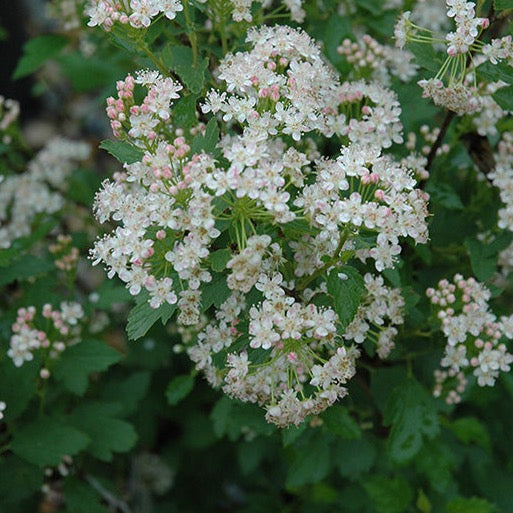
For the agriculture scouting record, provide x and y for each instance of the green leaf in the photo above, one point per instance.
(483, 257)
(90, 73)
(127, 392)
(124, 152)
(82, 498)
(107, 433)
(219, 259)
(311, 462)
(389, 495)
(18, 386)
(78, 361)
(18, 480)
(470, 505)
(46, 440)
(496, 72)
(25, 267)
(180, 59)
(410, 411)
(184, 111)
(338, 420)
(504, 97)
(37, 51)
(354, 457)
(142, 317)
(179, 388)
(347, 287)
(425, 56)
(445, 195)
(471, 430)
(502, 5)
(207, 142)
(215, 293)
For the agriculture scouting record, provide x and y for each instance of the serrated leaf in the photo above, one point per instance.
(46, 440)
(208, 141)
(107, 433)
(483, 257)
(180, 59)
(215, 293)
(184, 111)
(124, 152)
(311, 463)
(470, 505)
(142, 317)
(37, 51)
(18, 480)
(502, 5)
(127, 392)
(179, 388)
(504, 97)
(25, 267)
(219, 259)
(25, 377)
(79, 361)
(425, 56)
(82, 498)
(355, 457)
(410, 411)
(496, 72)
(338, 420)
(347, 287)
(445, 195)
(389, 495)
(471, 430)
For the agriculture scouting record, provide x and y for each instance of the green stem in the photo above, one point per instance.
(191, 34)
(326, 266)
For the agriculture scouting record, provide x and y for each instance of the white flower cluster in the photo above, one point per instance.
(61, 330)
(265, 221)
(468, 26)
(136, 13)
(462, 94)
(140, 13)
(378, 314)
(67, 12)
(37, 190)
(474, 336)
(502, 178)
(378, 62)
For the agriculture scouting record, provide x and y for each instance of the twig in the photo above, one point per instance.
(443, 130)
(108, 497)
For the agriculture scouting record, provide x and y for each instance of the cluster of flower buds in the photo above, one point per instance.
(65, 254)
(475, 337)
(48, 333)
(372, 60)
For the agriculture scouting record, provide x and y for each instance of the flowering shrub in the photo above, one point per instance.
(311, 207)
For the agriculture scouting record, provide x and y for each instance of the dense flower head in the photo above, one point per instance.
(48, 333)
(38, 189)
(263, 218)
(475, 337)
(137, 13)
(502, 178)
(372, 60)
